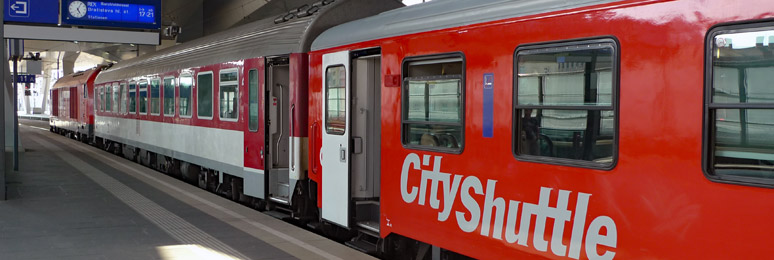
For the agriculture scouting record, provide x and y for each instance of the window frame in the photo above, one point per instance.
(116, 98)
(191, 90)
(463, 101)
(147, 96)
(124, 97)
(257, 100)
(615, 104)
(212, 88)
(136, 91)
(163, 97)
(150, 96)
(325, 100)
(220, 86)
(708, 120)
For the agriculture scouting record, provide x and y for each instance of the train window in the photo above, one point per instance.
(433, 103)
(335, 100)
(740, 105)
(204, 95)
(252, 79)
(115, 97)
(132, 97)
(155, 100)
(143, 96)
(565, 103)
(122, 99)
(184, 104)
(101, 100)
(169, 96)
(108, 97)
(229, 107)
(85, 91)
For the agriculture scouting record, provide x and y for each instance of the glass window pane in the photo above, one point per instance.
(566, 134)
(744, 143)
(132, 98)
(567, 76)
(184, 104)
(155, 96)
(434, 135)
(253, 92)
(143, 96)
(742, 69)
(122, 99)
(169, 96)
(204, 95)
(116, 99)
(335, 99)
(229, 105)
(108, 94)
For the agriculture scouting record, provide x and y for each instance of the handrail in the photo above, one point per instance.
(280, 127)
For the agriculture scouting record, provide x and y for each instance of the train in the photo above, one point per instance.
(494, 129)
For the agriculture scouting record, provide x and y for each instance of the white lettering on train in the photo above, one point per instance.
(505, 218)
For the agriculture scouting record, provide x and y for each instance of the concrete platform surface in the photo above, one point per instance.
(73, 201)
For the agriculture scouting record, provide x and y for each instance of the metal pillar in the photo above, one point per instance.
(15, 115)
(3, 190)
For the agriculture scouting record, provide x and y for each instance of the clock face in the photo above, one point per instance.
(77, 9)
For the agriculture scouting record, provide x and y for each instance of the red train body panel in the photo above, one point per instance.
(72, 107)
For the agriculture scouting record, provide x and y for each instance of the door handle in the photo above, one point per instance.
(342, 154)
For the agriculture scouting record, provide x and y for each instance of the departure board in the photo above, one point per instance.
(113, 13)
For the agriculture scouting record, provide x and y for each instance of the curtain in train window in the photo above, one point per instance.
(169, 96)
(252, 79)
(741, 109)
(132, 97)
(143, 97)
(155, 100)
(122, 106)
(335, 100)
(229, 105)
(184, 104)
(564, 102)
(204, 95)
(433, 103)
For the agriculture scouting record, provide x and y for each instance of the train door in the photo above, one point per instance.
(366, 131)
(335, 150)
(278, 125)
(254, 177)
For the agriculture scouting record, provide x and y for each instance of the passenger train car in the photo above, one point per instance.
(500, 129)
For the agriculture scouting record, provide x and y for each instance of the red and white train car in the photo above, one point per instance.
(229, 110)
(72, 111)
(558, 129)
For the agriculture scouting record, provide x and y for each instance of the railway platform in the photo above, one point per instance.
(73, 201)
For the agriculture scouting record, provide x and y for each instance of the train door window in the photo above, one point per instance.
(122, 99)
(433, 102)
(143, 96)
(184, 104)
(335, 99)
(565, 103)
(252, 79)
(740, 104)
(108, 97)
(155, 97)
(169, 96)
(115, 98)
(204, 95)
(229, 87)
(132, 97)
(85, 91)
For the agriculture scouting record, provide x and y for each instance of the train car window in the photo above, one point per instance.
(252, 79)
(155, 100)
(740, 104)
(229, 105)
(433, 103)
(132, 97)
(204, 95)
(115, 98)
(565, 103)
(122, 106)
(85, 91)
(143, 96)
(108, 97)
(335, 100)
(184, 104)
(169, 96)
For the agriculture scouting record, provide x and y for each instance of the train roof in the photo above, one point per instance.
(267, 37)
(439, 14)
(77, 79)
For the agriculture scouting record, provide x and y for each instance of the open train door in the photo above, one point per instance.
(334, 153)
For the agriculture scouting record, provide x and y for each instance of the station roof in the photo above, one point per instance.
(436, 15)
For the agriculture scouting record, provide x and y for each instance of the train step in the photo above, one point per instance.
(366, 243)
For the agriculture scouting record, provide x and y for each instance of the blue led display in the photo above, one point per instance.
(113, 13)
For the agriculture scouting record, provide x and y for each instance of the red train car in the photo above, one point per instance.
(550, 129)
(72, 111)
